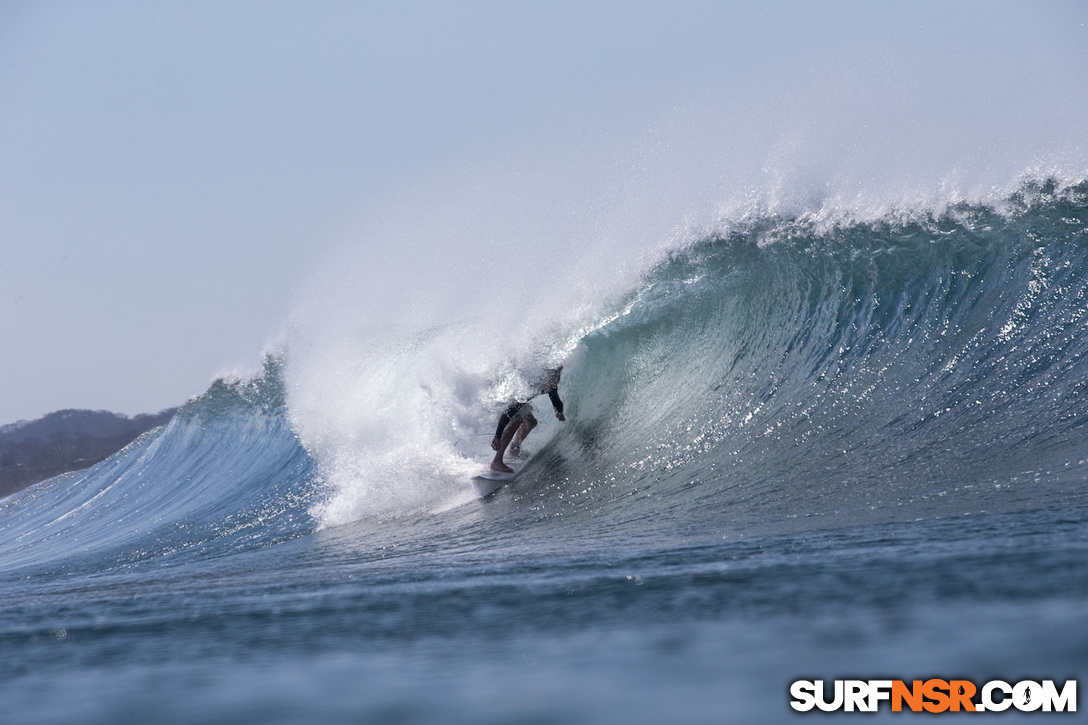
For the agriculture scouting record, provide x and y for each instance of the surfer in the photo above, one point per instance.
(517, 421)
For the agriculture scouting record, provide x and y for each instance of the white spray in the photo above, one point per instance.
(445, 299)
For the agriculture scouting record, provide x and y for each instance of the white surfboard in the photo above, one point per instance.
(488, 481)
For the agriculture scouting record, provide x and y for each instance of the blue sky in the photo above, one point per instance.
(170, 172)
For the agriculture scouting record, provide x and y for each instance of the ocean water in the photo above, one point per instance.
(796, 448)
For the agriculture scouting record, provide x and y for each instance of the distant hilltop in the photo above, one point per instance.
(68, 440)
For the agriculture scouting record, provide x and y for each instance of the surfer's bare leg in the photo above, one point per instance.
(526, 427)
(507, 436)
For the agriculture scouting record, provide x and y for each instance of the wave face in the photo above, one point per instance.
(226, 475)
(931, 364)
(775, 374)
(780, 374)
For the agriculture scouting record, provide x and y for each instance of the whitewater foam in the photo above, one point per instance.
(771, 349)
(445, 297)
